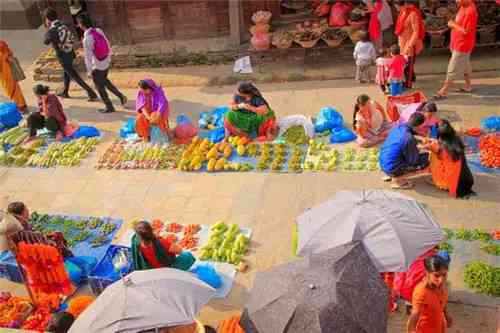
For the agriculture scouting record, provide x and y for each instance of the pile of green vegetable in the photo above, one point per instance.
(487, 243)
(94, 230)
(63, 154)
(322, 157)
(16, 156)
(295, 135)
(14, 136)
(482, 278)
(225, 244)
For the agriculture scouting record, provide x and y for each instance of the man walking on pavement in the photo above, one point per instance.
(97, 60)
(463, 41)
(62, 40)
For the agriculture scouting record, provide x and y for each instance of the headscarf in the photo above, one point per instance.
(404, 14)
(158, 99)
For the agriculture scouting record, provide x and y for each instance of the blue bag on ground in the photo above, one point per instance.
(214, 117)
(208, 274)
(157, 136)
(327, 119)
(9, 115)
(491, 124)
(128, 128)
(87, 132)
(341, 135)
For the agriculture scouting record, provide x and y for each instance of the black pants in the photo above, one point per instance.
(103, 84)
(36, 122)
(66, 60)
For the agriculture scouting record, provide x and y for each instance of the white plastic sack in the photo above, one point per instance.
(296, 120)
(243, 66)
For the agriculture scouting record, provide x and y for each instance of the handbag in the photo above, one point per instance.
(17, 71)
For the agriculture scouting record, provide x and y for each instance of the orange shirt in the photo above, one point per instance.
(149, 253)
(467, 19)
(430, 303)
(409, 41)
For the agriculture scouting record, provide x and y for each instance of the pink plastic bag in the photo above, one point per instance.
(339, 15)
(184, 131)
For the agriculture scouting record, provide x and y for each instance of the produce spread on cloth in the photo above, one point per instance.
(19, 312)
(40, 153)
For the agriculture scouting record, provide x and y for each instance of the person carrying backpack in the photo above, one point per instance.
(97, 60)
(62, 40)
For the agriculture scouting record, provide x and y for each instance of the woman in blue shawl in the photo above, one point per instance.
(152, 109)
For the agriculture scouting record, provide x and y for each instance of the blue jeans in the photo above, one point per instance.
(396, 88)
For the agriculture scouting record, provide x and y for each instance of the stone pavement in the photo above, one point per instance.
(268, 203)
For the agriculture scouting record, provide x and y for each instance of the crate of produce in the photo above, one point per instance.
(105, 272)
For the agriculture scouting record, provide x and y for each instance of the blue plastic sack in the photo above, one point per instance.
(341, 135)
(128, 128)
(157, 136)
(327, 119)
(491, 124)
(9, 115)
(182, 119)
(208, 274)
(87, 132)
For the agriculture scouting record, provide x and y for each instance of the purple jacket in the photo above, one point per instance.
(159, 101)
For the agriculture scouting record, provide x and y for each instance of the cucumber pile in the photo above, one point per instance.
(225, 244)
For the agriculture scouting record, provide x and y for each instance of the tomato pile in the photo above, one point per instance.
(489, 148)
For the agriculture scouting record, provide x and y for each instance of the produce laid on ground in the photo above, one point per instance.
(63, 154)
(140, 155)
(17, 156)
(489, 149)
(94, 230)
(488, 242)
(14, 136)
(186, 236)
(225, 244)
(13, 310)
(280, 158)
(323, 157)
(482, 278)
(295, 135)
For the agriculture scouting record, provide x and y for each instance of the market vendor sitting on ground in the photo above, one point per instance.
(448, 163)
(152, 109)
(14, 220)
(50, 114)
(250, 114)
(369, 121)
(150, 251)
(400, 156)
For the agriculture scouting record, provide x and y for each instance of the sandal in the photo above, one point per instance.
(386, 178)
(405, 186)
(463, 90)
(438, 96)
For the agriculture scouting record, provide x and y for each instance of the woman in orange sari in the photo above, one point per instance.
(10, 86)
(370, 122)
(448, 164)
(152, 109)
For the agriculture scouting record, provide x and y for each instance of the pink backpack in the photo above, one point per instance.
(101, 46)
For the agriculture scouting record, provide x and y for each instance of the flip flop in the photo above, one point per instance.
(386, 178)
(405, 186)
(437, 97)
(463, 90)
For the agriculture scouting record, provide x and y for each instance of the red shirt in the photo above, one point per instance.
(149, 253)
(467, 19)
(397, 67)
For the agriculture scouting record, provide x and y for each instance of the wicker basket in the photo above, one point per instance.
(358, 24)
(307, 44)
(283, 44)
(333, 42)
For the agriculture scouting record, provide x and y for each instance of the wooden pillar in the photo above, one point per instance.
(235, 21)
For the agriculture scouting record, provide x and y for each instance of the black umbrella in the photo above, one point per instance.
(338, 290)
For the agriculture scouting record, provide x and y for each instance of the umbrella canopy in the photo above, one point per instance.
(147, 299)
(339, 290)
(395, 229)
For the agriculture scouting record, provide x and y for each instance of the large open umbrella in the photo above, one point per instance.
(339, 290)
(395, 229)
(146, 299)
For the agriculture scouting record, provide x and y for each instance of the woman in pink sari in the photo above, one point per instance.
(152, 109)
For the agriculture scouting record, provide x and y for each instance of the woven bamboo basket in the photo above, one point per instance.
(308, 44)
(333, 43)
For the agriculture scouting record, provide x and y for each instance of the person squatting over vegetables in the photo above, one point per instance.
(250, 114)
(50, 114)
(448, 164)
(97, 61)
(152, 109)
(364, 54)
(149, 251)
(369, 121)
(399, 154)
(429, 300)
(62, 40)
(11, 87)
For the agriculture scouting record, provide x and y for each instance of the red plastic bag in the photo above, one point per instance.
(393, 101)
(184, 133)
(339, 14)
